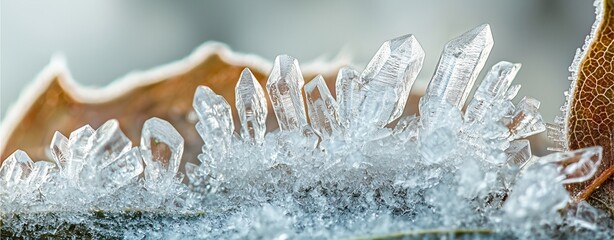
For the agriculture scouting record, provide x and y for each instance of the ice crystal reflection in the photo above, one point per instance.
(341, 174)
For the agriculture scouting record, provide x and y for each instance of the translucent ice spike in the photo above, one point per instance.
(40, 173)
(459, 66)
(161, 147)
(59, 149)
(527, 120)
(492, 89)
(322, 107)
(251, 106)
(576, 166)
(347, 88)
(122, 171)
(519, 152)
(215, 124)
(108, 142)
(79, 144)
(15, 169)
(284, 86)
(388, 78)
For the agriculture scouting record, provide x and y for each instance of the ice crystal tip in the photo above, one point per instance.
(401, 58)
(16, 168)
(479, 36)
(527, 120)
(519, 152)
(57, 149)
(493, 90)
(124, 169)
(576, 166)
(251, 106)
(498, 79)
(285, 69)
(161, 147)
(212, 109)
(323, 109)
(107, 143)
(215, 124)
(39, 173)
(388, 79)
(348, 86)
(460, 64)
(284, 85)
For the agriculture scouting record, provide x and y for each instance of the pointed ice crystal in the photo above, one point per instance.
(251, 106)
(517, 157)
(79, 144)
(322, 107)
(15, 169)
(519, 152)
(161, 147)
(388, 78)
(284, 86)
(576, 166)
(527, 120)
(59, 149)
(459, 66)
(492, 89)
(108, 142)
(215, 124)
(40, 173)
(347, 88)
(122, 171)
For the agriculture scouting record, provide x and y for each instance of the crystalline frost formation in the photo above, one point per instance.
(333, 168)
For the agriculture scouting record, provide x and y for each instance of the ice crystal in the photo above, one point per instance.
(251, 106)
(387, 80)
(323, 109)
(461, 61)
(342, 174)
(348, 86)
(284, 86)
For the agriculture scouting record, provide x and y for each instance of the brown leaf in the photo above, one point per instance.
(590, 118)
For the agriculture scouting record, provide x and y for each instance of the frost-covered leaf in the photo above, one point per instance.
(588, 117)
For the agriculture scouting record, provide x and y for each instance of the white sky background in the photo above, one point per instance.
(104, 40)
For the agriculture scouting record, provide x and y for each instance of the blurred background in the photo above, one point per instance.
(104, 40)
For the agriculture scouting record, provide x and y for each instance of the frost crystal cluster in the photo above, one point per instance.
(342, 165)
